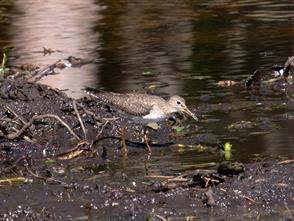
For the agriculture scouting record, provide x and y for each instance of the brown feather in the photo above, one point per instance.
(133, 104)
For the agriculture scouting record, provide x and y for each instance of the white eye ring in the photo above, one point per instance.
(178, 102)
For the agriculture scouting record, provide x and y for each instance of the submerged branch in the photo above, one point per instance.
(46, 179)
(38, 75)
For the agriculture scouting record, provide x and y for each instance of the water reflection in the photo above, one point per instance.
(219, 39)
(199, 38)
(59, 25)
(144, 36)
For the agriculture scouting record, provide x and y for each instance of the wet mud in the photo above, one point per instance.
(53, 169)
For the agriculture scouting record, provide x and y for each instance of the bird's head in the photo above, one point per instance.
(179, 105)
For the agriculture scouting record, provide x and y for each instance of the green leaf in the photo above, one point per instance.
(146, 72)
(1, 72)
(153, 125)
(227, 146)
(50, 161)
(178, 128)
(227, 150)
(149, 218)
(151, 87)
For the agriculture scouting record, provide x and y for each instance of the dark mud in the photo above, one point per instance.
(49, 172)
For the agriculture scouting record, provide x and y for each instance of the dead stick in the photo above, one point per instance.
(15, 114)
(95, 116)
(82, 142)
(178, 180)
(249, 198)
(160, 217)
(43, 72)
(45, 178)
(27, 125)
(102, 128)
(159, 177)
(286, 162)
(90, 113)
(79, 118)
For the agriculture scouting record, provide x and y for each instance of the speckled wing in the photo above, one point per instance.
(133, 104)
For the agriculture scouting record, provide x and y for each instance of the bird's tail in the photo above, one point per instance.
(99, 94)
(93, 92)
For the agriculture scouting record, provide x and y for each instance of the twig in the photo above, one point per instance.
(15, 114)
(181, 218)
(41, 213)
(43, 72)
(79, 118)
(9, 168)
(159, 177)
(286, 161)
(289, 211)
(9, 120)
(178, 179)
(248, 198)
(160, 217)
(45, 178)
(95, 116)
(13, 179)
(28, 124)
(169, 178)
(102, 128)
(64, 155)
(90, 113)
(210, 201)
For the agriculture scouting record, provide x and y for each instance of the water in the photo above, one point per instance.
(185, 46)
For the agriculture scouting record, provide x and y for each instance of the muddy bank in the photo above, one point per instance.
(49, 172)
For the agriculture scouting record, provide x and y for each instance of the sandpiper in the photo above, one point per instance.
(149, 108)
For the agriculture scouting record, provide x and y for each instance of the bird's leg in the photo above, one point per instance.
(146, 140)
(123, 140)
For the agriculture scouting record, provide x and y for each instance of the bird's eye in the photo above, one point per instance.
(178, 102)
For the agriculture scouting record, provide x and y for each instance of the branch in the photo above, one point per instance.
(33, 119)
(80, 119)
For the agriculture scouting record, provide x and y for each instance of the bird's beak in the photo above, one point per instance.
(187, 111)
